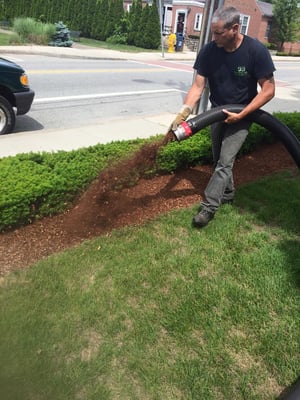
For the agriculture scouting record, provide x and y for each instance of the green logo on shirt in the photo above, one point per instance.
(241, 71)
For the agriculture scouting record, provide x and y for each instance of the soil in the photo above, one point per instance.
(103, 208)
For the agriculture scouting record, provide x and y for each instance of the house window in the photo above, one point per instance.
(268, 30)
(244, 23)
(198, 21)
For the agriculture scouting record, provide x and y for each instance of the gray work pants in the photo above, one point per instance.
(226, 142)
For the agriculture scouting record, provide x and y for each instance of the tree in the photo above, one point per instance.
(100, 20)
(150, 27)
(134, 22)
(88, 14)
(143, 37)
(155, 25)
(286, 15)
(130, 16)
(114, 17)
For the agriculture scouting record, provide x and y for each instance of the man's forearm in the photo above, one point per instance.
(195, 92)
(264, 96)
(259, 101)
(192, 99)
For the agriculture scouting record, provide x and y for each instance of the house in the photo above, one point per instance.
(178, 16)
(256, 17)
(185, 16)
(258, 22)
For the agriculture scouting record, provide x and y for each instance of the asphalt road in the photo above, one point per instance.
(75, 92)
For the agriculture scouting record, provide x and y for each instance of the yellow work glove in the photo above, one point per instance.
(180, 117)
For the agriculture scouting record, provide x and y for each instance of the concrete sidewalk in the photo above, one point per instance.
(90, 135)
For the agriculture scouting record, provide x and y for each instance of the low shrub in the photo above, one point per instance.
(270, 46)
(42, 33)
(196, 150)
(117, 39)
(15, 39)
(31, 31)
(61, 36)
(35, 185)
(23, 26)
(291, 119)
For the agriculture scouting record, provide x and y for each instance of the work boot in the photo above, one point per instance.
(203, 218)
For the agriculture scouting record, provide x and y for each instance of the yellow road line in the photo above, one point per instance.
(94, 71)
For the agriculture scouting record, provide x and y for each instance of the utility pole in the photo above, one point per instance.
(161, 28)
(205, 37)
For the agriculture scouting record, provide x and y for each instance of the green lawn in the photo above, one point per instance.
(163, 311)
(4, 39)
(111, 46)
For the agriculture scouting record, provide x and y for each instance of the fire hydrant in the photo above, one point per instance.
(171, 43)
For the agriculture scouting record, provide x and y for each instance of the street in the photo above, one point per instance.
(79, 92)
(75, 92)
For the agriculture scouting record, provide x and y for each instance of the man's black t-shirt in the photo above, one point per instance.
(233, 77)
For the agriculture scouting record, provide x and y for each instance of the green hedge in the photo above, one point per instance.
(35, 185)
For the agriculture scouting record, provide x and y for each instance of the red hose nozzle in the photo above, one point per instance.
(183, 131)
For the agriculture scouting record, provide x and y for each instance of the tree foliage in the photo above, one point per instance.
(152, 28)
(135, 22)
(97, 19)
(286, 14)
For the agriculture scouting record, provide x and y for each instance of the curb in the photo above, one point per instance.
(86, 52)
(94, 53)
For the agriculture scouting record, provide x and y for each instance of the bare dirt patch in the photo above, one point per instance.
(102, 208)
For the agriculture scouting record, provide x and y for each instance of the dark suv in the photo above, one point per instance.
(15, 94)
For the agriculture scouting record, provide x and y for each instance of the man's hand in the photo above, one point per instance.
(231, 118)
(181, 116)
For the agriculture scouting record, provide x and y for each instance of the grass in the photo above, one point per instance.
(5, 39)
(112, 46)
(163, 311)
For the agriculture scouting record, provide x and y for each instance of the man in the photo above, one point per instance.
(233, 64)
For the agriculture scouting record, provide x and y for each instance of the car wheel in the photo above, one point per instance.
(7, 116)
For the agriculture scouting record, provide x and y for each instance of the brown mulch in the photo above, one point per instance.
(102, 208)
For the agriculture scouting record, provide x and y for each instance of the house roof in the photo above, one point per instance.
(265, 8)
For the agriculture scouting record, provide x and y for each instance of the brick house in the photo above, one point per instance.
(256, 17)
(185, 16)
(182, 16)
(257, 22)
